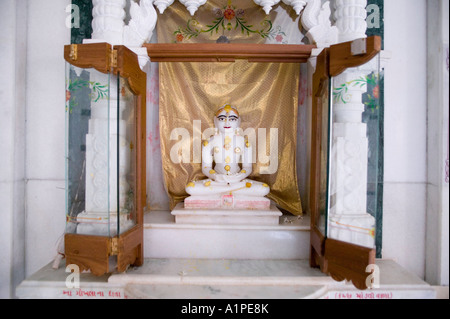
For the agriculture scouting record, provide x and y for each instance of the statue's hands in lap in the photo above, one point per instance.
(231, 179)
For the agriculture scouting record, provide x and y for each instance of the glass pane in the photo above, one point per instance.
(87, 152)
(354, 155)
(325, 105)
(125, 163)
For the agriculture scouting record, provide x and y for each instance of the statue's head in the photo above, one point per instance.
(227, 119)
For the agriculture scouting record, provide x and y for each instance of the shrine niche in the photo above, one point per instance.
(272, 135)
(236, 38)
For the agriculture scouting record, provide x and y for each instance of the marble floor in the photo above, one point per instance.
(222, 279)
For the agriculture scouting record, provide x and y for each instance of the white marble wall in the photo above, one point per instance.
(12, 143)
(437, 240)
(45, 116)
(405, 176)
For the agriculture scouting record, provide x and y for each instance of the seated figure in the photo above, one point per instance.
(227, 149)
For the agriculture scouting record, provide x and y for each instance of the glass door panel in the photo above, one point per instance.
(125, 168)
(354, 155)
(324, 119)
(87, 152)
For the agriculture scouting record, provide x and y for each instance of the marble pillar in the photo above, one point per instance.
(108, 162)
(348, 219)
(350, 18)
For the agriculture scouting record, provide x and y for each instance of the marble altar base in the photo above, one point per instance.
(164, 238)
(224, 216)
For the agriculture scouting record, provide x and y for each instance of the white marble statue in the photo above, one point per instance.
(232, 155)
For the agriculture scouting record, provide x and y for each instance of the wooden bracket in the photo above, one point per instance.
(352, 54)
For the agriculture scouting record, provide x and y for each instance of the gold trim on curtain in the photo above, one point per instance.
(266, 95)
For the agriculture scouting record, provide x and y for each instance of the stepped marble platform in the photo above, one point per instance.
(222, 279)
(287, 239)
(220, 216)
(196, 261)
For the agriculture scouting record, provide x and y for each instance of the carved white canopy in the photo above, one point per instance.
(349, 16)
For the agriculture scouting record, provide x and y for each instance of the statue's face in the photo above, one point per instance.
(227, 121)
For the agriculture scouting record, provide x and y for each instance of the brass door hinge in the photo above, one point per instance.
(113, 58)
(73, 55)
(114, 246)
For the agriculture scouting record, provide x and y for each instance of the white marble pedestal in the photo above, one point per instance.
(223, 216)
(226, 201)
(164, 238)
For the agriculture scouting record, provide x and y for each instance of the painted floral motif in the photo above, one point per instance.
(153, 91)
(372, 96)
(229, 18)
(99, 91)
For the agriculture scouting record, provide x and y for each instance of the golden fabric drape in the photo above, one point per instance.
(266, 95)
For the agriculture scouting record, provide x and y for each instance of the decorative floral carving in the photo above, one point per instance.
(143, 21)
(298, 5)
(351, 19)
(316, 20)
(162, 4)
(266, 4)
(108, 24)
(192, 5)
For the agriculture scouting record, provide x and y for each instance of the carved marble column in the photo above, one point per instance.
(348, 217)
(107, 163)
(350, 18)
(108, 20)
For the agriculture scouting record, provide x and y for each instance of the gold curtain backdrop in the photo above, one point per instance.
(266, 96)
